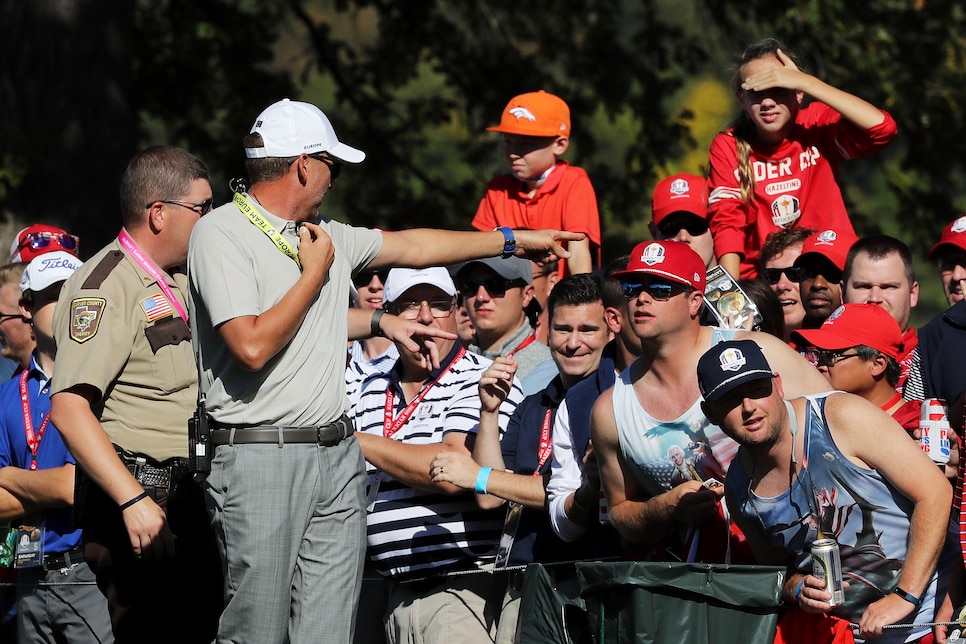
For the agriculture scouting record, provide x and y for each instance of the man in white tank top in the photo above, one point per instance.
(656, 404)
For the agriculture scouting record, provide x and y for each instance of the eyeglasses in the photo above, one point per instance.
(335, 167)
(11, 316)
(411, 310)
(202, 208)
(655, 290)
(828, 358)
(670, 226)
(36, 241)
(363, 279)
(495, 286)
(829, 271)
(774, 275)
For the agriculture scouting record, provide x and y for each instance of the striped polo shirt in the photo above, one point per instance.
(415, 533)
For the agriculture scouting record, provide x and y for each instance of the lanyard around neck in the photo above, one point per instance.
(262, 224)
(33, 440)
(151, 269)
(390, 426)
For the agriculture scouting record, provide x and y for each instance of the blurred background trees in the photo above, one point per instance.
(85, 84)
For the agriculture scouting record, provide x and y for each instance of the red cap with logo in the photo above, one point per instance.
(953, 235)
(680, 193)
(853, 324)
(831, 245)
(535, 114)
(670, 259)
(39, 239)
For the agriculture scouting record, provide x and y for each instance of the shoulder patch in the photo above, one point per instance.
(102, 270)
(85, 316)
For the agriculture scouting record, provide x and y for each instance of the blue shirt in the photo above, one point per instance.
(52, 452)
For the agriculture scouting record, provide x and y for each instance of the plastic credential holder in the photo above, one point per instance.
(728, 302)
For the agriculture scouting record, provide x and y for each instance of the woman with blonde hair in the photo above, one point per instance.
(777, 166)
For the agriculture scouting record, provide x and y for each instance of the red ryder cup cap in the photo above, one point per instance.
(680, 193)
(535, 114)
(853, 324)
(833, 246)
(669, 259)
(728, 365)
(953, 235)
(290, 128)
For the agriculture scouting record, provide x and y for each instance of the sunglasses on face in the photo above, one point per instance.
(830, 358)
(495, 286)
(335, 167)
(37, 241)
(202, 208)
(672, 225)
(774, 275)
(829, 272)
(655, 290)
(363, 279)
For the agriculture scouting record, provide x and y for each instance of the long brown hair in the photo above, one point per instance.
(742, 127)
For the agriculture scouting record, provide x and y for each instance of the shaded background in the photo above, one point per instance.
(85, 84)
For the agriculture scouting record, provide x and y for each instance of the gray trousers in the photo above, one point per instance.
(291, 530)
(61, 606)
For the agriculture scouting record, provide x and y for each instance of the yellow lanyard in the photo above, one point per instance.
(256, 218)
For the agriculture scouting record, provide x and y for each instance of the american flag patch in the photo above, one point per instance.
(156, 307)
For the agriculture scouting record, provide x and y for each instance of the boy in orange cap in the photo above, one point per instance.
(542, 190)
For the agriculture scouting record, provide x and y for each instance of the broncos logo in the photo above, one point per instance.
(522, 113)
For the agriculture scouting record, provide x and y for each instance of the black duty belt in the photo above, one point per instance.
(60, 560)
(323, 435)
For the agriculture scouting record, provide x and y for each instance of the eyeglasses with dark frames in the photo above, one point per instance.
(11, 316)
(36, 241)
(830, 358)
(202, 208)
(774, 275)
(655, 290)
(335, 167)
(495, 286)
(411, 310)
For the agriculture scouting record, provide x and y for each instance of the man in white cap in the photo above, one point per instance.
(655, 403)
(405, 417)
(56, 595)
(270, 281)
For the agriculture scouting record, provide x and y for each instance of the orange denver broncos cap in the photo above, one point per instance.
(535, 114)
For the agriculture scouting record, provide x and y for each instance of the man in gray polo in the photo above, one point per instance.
(270, 282)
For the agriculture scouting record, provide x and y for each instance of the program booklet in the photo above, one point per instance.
(728, 303)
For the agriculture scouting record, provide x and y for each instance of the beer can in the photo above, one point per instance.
(934, 430)
(827, 565)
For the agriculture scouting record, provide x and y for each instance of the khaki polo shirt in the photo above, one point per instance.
(117, 332)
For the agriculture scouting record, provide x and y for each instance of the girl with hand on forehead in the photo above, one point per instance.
(777, 165)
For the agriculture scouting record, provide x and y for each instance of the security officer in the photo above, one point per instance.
(122, 395)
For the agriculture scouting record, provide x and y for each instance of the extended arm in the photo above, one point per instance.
(432, 247)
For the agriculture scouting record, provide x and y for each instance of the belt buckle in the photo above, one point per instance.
(318, 434)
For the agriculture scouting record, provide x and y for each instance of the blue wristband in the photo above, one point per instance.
(798, 589)
(509, 241)
(482, 478)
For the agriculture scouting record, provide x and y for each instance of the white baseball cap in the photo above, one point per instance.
(48, 269)
(290, 128)
(401, 280)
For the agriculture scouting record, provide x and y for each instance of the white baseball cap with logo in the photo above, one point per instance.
(290, 128)
(46, 270)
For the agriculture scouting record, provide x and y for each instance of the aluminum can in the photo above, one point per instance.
(934, 430)
(827, 565)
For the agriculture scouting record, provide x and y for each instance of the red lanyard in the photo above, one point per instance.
(546, 445)
(523, 345)
(390, 426)
(33, 442)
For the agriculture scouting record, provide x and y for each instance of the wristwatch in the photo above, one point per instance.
(509, 242)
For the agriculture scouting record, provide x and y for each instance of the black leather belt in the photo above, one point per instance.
(323, 435)
(59, 560)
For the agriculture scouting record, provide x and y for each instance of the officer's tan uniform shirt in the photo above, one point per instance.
(119, 334)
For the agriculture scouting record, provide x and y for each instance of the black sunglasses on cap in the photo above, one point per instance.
(774, 275)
